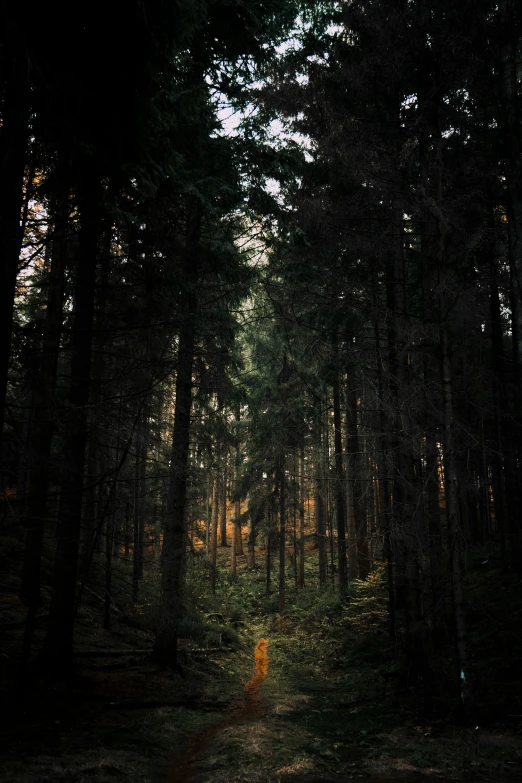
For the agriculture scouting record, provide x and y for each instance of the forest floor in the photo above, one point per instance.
(324, 699)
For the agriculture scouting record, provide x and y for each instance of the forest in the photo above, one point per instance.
(261, 391)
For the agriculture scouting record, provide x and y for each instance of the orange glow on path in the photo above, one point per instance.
(182, 769)
(253, 701)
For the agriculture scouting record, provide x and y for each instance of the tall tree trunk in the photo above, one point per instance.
(137, 546)
(360, 548)
(406, 498)
(139, 505)
(339, 487)
(214, 528)
(208, 515)
(268, 560)
(384, 485)
(239, 539)
(353, 484)
(108, 573)
(173, 554)
(251, 542)
(142, 474)
(112, 549)
(452, 506)
(294, 519)
(44, 394)
(236, 524)
(224, 493)
(14, 136)
(282, 531)
(233, 552)
(302, 495)
(431, 480)
(508, 506)
(58, 641)
(319, 509)
(510, 115)
(438, 599)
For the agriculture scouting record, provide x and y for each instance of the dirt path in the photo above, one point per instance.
(182, 769)
(299, 729)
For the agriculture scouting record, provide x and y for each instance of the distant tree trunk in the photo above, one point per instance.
(431, 473)
(57, 649)
(14, 136)
(282, 531)
(208, 515)
(405, 492)
(363, 502)
(239, 540)
(294, 522)
(454, 533)
(127, 536)
(139, 488)
(236, 524)
(360, 548)
(108, 574)
(506, 500)
(173, 554)
(28, 401)
(143, 489)
(112, 548)
(251, 543)
(268, 563)
(339, 486)
(351, 488)
(387, 516)
(215, 525)
(434, 525)
(233, 553)
(319, 509)
(302, 490)
(224, 493)
(138, 522)
(91, 505)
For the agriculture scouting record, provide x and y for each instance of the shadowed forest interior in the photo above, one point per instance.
(261, 391)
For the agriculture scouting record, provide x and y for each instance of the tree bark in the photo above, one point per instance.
(214, 528)
(384, 486)
(452, 506)
(302, 494)
(268, 560)
(224, 493)
(339, 486)
(319, 509)
(57, 649)
(359, 548)
(431, 480)
(352, 486)
(509, 99)
(236, 524)
(173, 555)
(406, 497)
(251, 543)
(44, 398)
(282, 531)
(14, 138)
(139, 500)
(233, 552)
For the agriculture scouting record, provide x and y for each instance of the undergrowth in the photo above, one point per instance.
(338, 699)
